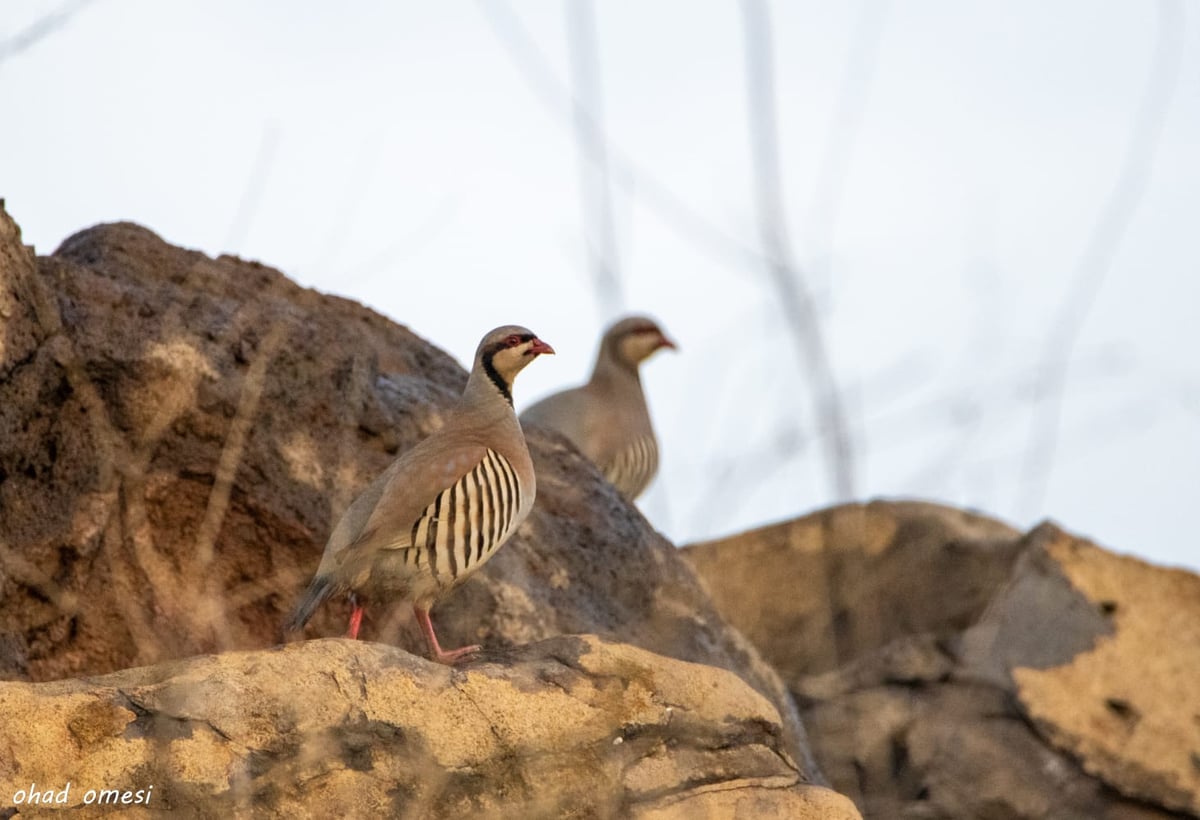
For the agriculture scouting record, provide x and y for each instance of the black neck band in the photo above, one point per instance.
(496, 378)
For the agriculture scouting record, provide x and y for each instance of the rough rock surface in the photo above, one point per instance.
(819, 591)
(180, 432)
(569, 727)
(1060, 682)
(176, 432)
(1127, 704)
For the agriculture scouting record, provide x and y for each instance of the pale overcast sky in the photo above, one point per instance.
(421, 158)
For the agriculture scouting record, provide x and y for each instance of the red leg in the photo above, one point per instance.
(436, 652)
(355, 621)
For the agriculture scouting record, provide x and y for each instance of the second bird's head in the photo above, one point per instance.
(633, 339)
(505, 351)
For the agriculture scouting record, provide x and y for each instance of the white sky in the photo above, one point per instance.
(411, 165)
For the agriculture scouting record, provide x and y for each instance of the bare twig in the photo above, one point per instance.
(733, 478)
(686, 222)
(897, 420)
(355, 184)
(595, 188)
(787, 278)
(431, 224)
(1095, 263)
(40, 29)
(268, 147)
(857, 76)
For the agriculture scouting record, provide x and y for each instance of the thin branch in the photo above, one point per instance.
(685, 221)
(40, 29)
(268, 147)
(1095, 263)
(834, 167)
(595, 188)
(355, 185)
(432, 224)
(731, 479)
(789, 280)
(751, 466)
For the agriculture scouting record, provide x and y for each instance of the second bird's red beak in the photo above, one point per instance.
(541, 347)
(663, 341)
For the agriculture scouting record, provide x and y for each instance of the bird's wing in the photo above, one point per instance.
(395, 501)
(410, 491)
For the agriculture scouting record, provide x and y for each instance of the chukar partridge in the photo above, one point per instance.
(607, 418)
(442, 508)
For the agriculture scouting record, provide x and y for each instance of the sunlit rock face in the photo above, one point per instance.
(569, 727)
(950, 666)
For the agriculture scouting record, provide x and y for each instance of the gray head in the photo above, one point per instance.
(632, 340)
(504, 352)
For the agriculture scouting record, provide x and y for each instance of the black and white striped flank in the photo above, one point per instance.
(632, 469)
(468, 521)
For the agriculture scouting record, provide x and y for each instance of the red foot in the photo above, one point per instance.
(436, 653)
(454, 655)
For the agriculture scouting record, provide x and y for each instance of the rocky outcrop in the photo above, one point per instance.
(177, 433)
(180, 432)
(569, 727)
(1059, 683)
(819, 591)
(1102, 652)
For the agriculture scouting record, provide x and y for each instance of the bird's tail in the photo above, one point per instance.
(320, 589)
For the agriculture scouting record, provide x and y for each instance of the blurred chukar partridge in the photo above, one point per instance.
(607, 418)
(442, 508)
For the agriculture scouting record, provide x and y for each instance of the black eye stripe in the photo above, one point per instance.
(512, 341)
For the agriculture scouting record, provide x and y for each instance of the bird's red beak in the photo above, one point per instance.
(663, 341)
(539, 346)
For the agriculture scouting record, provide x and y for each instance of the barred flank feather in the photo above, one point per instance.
(468, 521)
(632, 469)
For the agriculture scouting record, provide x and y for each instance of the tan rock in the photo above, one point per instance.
(818, 591)
(982, 674)
(1127, 706)
(180, 433)
(735, 802)
(570, 727)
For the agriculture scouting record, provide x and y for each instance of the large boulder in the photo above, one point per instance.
(177, 434)
(569, 727)
(1102, 653)
(180, 433)
(1060, 681)
(819, 591)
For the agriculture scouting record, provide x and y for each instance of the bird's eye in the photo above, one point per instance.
(512, 341)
